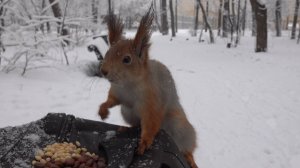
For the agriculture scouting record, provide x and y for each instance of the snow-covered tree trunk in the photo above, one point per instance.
(211, 35)
(232, 20)
(164, 18)
(196, 22)
(48, 27)
(238, 23)
(244, 18)
(95, 11)
(293, 34)
(254, 26)
(62, 30)
(220, 17)
(42, 27)
(261, 25)
(225, 19)
(58, 14)
(298, 36)
(233, 16)
(2, 49)
(206, 11)
(110, 10)
(56, 9)
(176, 16)
(172, 18)
(278, 17)
(156, 16)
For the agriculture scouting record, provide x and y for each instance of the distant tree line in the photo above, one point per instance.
(36, 27)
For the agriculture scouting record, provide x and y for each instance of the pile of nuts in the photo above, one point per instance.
(59, 155)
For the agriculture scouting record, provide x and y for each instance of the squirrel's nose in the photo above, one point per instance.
(104, 71)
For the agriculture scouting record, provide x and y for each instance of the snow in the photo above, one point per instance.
(243, 105)
(33, 137)
(109, 135)
(19, 144)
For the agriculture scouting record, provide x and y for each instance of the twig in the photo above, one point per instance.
(61, 33)
(26, 64)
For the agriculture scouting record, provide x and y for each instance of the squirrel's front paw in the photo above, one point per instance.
(143, 145)
(103, 111)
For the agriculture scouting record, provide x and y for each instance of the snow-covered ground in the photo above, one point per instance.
(245, 106)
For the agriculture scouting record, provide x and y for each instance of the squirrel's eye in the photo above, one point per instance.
(127, 60)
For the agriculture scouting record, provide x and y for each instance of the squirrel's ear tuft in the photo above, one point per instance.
(141, 41)
(115, 28)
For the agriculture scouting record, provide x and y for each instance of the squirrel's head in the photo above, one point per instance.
(126, 59)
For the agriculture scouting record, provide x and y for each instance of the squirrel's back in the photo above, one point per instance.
(175, 122)
(164, 82)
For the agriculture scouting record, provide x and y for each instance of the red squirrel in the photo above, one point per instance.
(144, 88)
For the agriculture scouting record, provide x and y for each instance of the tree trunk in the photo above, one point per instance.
(110, 11)
(287, 23)
(196, 23)
(176, 18)
(42, 27)
(293, 36)
(48, 27)
(233, 15)
(238, 23)
(156, 17)
(211, 35)
(58, 14)
(95, 11)
(206, 11)
(164, 18)
(232, 20)
(220, 17)
(62, 29)
(172, 18)
(298, 36)
(278, 18)
(253, 20)
(2, 49)
(56, 9)
(244, 17)
(225, 18)
(261, 28)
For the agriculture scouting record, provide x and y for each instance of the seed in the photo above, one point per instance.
(89, 162)
(78, 150)
(82, 159)
(39, 165)
(66, 155)
(88, 153)
(69, 162)
(95, 157)
(54, 166)
(49, 154)
(40, 153)
(76, 164)
(75, 156)
(43, 161)
(94, 165)
(38, 157)
(82, 165)
(58, 162)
